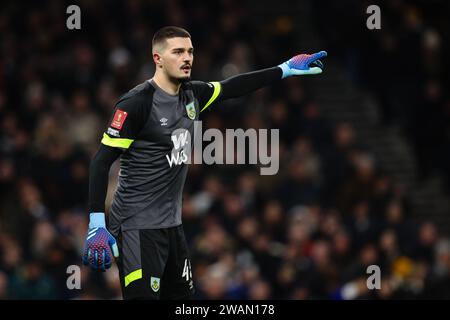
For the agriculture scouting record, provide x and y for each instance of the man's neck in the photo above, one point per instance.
(165, 84)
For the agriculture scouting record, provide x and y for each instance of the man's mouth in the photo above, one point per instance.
(186, 68)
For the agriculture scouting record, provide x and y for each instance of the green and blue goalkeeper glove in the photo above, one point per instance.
(99, 244)
(303, 64)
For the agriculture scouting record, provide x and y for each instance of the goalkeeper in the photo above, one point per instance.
(144, 230)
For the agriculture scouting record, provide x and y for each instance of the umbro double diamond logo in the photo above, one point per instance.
(163, 121)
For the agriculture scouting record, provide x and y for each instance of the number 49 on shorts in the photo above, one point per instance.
(187, 271)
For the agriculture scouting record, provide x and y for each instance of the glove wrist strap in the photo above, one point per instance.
(285, 69)
(97, 220)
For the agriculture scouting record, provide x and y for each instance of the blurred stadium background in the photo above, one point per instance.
(365, 148)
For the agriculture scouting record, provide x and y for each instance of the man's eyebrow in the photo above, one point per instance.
(183, 49)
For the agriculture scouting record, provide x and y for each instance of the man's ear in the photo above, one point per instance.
(157, 59)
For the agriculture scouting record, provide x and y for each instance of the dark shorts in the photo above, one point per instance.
(155, 264)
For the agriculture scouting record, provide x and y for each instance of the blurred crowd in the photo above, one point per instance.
(402, 65)
(309, 232)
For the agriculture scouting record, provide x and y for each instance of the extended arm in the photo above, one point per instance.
(302, 64)
(245, 83)
(242, 84)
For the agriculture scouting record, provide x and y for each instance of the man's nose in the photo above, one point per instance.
(187, 57)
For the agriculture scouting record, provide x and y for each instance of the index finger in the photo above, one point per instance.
(317, 55)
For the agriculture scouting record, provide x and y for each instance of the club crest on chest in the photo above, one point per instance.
(190, 110)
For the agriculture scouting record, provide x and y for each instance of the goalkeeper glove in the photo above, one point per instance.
(303, 64)
(99, 243)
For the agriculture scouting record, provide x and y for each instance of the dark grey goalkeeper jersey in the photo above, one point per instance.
(154, 129)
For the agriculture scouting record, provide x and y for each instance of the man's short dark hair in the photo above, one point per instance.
(169, 32)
